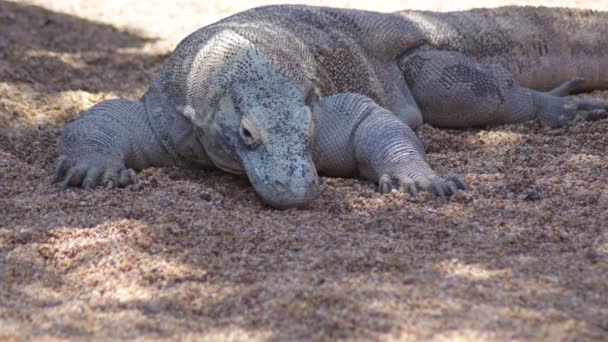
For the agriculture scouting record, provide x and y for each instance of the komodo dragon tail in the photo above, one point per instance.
(541, 47)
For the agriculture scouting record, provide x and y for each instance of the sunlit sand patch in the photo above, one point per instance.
(21, 104)
(589, 159)
(496, 138)
(230, 333)
(456, 268)
(112, 258)
(70, 59)
(465, 335)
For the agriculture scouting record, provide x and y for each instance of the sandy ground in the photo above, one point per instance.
(190, 255)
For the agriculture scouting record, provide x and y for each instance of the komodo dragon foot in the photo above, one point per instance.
(354, 135)
(555, 109)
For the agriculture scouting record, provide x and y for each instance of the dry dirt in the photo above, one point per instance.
(190, 255)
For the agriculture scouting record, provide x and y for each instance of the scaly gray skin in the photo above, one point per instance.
(280, 93)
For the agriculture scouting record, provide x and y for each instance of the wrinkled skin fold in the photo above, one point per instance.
(283, 93)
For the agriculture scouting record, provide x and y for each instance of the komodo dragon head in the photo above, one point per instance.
(262, 126)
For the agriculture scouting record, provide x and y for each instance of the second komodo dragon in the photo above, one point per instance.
(282, 93)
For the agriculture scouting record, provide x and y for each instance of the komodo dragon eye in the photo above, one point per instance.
(249, 132)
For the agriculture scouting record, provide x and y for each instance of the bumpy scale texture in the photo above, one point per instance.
(282, 93)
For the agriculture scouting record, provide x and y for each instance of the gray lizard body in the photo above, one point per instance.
(281, 93)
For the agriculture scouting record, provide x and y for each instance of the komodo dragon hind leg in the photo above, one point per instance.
(453, 91)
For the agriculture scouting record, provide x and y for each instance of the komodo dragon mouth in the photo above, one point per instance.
(226, 168)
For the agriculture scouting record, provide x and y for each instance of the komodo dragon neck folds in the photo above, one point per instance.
(282, 93)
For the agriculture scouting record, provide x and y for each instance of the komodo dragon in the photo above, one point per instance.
(281, 93)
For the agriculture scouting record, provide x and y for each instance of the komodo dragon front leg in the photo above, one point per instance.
(454, 91)
(356, 136)
(106, 144)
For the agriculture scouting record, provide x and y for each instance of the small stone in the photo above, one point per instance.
(533, 195)
(205, 196)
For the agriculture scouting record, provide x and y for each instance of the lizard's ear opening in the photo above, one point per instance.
(189, 112)
(203, 117)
